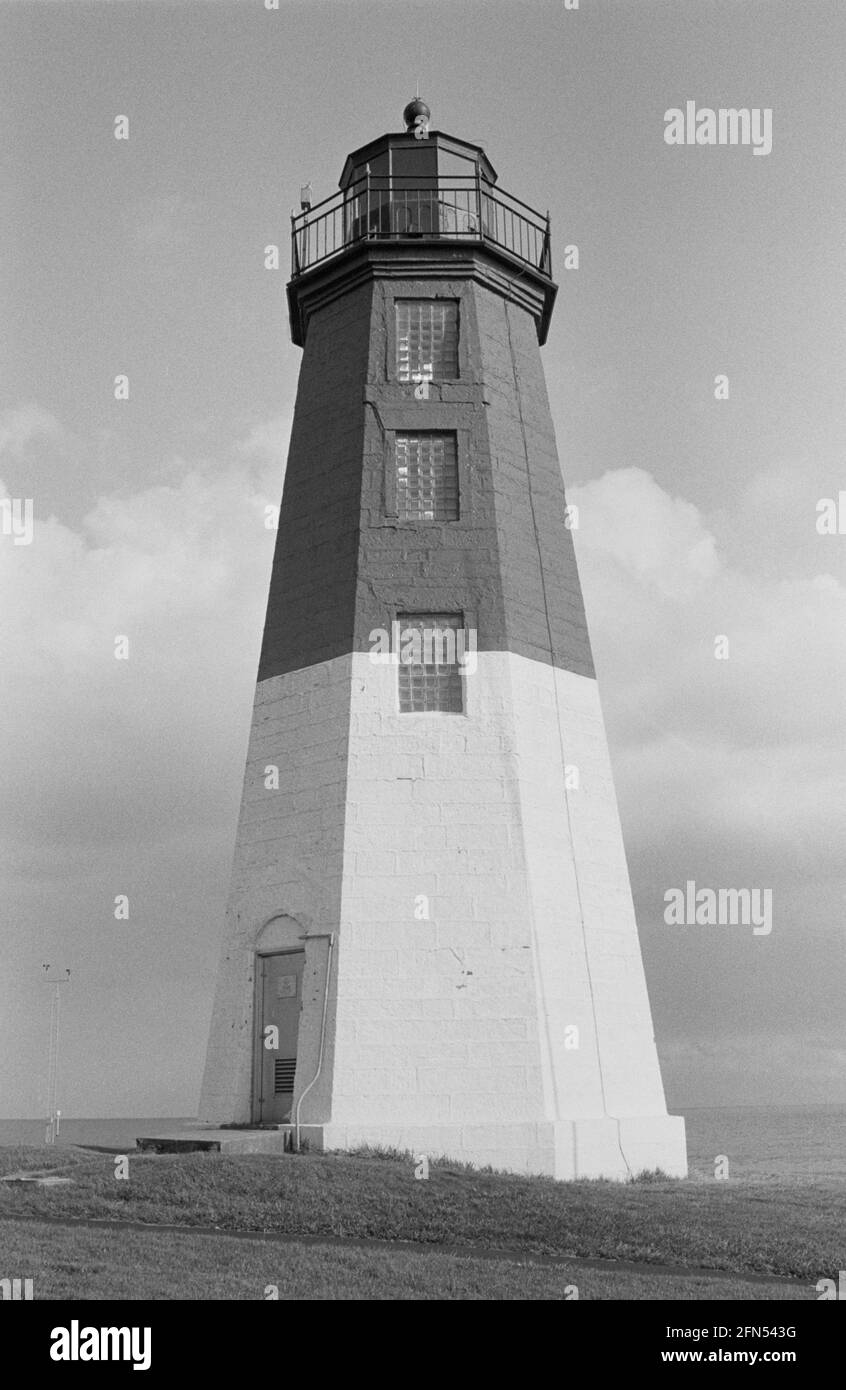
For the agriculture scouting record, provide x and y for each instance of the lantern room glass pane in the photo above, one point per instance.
(414, 189)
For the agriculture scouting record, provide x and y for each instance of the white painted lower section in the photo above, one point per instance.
(286, 875)
(564, 1149)
(488, 998)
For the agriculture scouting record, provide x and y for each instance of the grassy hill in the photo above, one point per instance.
(362, 1226)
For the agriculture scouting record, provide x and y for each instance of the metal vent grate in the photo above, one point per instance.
(432, 683)
(427, 339)
(283, 1075)
(427, 477)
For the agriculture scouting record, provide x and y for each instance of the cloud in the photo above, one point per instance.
(659, 539)
(660, 593)
(728, 772)
(23, 424)
(748, 750)
(106, 748)
(269, 439)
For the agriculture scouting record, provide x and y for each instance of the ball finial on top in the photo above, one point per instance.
(413, 110)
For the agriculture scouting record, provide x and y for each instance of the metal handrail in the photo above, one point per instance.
(438, 206)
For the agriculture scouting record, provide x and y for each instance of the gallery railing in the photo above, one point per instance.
(455, 208)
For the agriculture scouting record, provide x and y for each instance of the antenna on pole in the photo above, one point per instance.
(54, 1115)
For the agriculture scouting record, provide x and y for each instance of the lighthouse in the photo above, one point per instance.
(430, 943)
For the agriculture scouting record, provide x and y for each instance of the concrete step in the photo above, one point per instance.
(207, 1139)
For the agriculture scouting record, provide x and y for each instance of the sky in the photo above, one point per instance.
(697, 515)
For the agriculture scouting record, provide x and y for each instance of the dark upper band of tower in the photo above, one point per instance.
(423, 474)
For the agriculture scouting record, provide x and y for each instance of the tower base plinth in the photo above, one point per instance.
(563, 1149)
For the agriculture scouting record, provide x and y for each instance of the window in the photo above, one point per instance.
(414, 189)
(427, 339)
(427, 477)
(429, 655)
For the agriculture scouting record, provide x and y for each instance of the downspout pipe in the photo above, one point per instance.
(316, 936)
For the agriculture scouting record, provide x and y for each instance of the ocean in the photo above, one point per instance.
(767, 1143)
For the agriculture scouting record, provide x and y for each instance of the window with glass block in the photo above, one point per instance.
(429, 669)
(427, 477)
(427, 339)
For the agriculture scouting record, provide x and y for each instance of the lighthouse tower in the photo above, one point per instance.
(430, 942)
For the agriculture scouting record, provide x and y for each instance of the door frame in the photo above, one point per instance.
(256, 1099)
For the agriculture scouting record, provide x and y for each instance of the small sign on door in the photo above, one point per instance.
(286, 987)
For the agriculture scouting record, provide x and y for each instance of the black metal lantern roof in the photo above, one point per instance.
(450, 144)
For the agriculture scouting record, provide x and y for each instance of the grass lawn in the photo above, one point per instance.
(793, 1231)
(68, 1262)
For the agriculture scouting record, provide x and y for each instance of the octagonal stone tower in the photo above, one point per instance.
(430, 941)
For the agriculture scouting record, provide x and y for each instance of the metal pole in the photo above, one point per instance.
(56, 1064)
(53, 1113)
(48, 1136)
